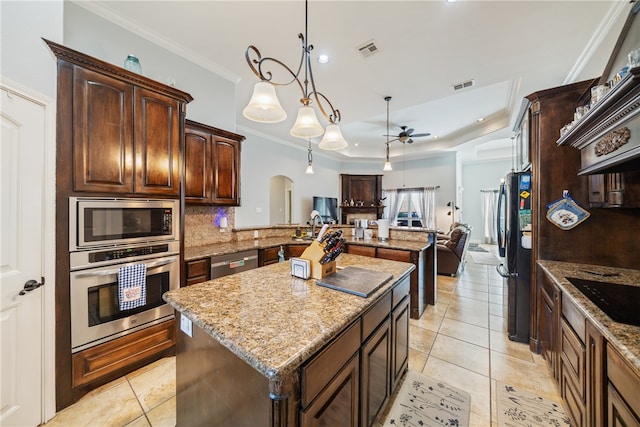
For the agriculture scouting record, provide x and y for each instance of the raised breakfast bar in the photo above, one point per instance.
(264, 348)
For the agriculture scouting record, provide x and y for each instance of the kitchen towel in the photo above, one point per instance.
(132, 286)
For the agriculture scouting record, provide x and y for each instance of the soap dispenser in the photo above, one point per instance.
(281, 255)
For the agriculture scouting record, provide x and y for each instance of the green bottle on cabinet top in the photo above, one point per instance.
(132, 64)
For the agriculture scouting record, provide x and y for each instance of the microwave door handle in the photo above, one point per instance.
(115, 270)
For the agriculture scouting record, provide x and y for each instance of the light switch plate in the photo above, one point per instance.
(186, 325)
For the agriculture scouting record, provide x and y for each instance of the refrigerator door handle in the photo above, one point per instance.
(503, 271)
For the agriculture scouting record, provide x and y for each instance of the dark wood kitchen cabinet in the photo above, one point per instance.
(549, 319)
(365, 191)
(623, 405)
(198, 270)
(118, 133)
(126, 139)
(212, 165)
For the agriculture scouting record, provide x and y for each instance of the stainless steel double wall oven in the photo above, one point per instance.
(104, 235)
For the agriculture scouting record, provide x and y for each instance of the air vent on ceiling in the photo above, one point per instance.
(463, 85)
(367, 49)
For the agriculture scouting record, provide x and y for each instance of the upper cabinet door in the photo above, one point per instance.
(157, 143)
(102, 137)
(226, 172)
(198, 171)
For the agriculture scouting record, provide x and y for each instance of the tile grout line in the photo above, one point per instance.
(138, 400)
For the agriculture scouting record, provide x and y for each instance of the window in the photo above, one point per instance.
(409, 216)
(413, 207)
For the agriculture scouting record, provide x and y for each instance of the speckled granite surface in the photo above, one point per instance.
(625, 338)
(195, 252)
(275, 321)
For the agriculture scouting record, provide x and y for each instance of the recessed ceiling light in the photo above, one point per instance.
(435, 137)
(450, 1)
(481, 119)
(356, 144)
(323, 59)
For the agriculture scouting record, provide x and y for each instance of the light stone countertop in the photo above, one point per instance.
(197, 252)
(625, 338)
(272, 320)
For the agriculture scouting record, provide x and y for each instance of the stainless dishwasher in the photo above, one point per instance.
(224, 265)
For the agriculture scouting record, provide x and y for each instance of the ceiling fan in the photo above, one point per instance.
(406, 135)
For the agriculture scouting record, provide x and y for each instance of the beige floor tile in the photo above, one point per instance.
(474, 286)
(469, 304)
(526, 375)
(155, 385)
(465, 332)
(500, 342)
(164, 415)
(417, 359)
(497, 310)
(479, 420)
(461, 353)
(497, 281)
(421, 339)
(139, 422)
(447, 283)
(428, 321)
(440, 308)
(443, 297)
(474, 318)
(115, 406)
(478, 386)
(469, 293)
(497, 299)
(539, 359)
(497, 323)
(496, 290)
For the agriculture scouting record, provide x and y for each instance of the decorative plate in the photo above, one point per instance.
(566, 213)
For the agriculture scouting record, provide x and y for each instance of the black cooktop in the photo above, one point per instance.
(620, 302)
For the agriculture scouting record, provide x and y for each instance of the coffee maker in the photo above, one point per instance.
(360, 226)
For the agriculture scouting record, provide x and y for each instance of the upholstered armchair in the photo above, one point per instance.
(452, 250)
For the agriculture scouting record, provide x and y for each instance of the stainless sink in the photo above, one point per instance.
(619, 302)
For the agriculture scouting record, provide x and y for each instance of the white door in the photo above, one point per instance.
(21, 195)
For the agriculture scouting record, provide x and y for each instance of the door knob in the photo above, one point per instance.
(31, 285)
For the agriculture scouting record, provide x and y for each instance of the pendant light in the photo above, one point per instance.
(264, 106)
(387, 164)
(309, 170)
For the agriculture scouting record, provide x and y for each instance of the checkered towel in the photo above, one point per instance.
(132, 289)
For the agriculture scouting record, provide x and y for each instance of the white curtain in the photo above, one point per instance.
(489, 216)
(424, 203)
(394, 200)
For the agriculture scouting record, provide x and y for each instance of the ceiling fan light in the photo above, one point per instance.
(264, 106)
(333, 139)
(309, 170)
(307, 124)
(387, 166)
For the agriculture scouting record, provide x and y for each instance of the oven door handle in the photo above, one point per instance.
(115, 270)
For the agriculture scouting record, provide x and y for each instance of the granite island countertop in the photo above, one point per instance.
(197, 252)
(272, 320)
(625, 338)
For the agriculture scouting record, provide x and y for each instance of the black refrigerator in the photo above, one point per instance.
(514, 245)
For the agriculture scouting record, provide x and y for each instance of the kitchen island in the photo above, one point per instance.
(262, 348)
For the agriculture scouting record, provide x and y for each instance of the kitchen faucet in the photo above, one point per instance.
(315, 215)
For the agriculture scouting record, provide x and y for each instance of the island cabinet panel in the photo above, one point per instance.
(102, 136)
(212, 165)
(376, 315)
(208, 376)
(295, 251)
(594, 376)
(338, 403)
(319, 370)
(375, 387)
(400, 341)
(623, 405)
(572, 373)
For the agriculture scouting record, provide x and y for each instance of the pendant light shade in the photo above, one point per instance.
(264, 106)
(333, 139)
(309, 169)
(307, 124)
(387, 166)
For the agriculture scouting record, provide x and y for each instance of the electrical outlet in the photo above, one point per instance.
(255, 234)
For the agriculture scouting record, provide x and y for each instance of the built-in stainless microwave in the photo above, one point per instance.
(96, 222)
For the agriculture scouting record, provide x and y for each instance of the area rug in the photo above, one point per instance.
(425, 402)
(484, 258)
(522, 408)
(475, 247)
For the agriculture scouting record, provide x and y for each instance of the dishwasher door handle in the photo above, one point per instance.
(223, 263)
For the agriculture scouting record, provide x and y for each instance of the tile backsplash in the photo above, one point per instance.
(202, 225)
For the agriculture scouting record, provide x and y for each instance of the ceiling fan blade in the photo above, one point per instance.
(394, 139)
(418, 135)
(408, 131)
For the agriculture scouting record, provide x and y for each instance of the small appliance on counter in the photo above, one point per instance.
(319, 259)
(383, 230)
(360, 225)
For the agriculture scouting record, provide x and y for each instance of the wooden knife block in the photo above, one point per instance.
(314, 253)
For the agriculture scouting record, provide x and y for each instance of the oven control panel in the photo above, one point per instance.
(115, 254)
